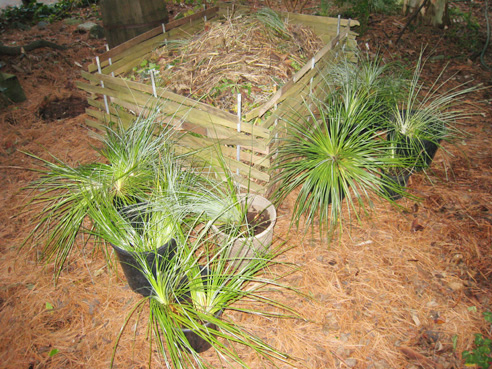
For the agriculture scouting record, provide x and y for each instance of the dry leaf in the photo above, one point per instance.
(416, 226)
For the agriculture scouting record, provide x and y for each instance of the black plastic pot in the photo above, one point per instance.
(429, 150)
(396, 180)
(134, 212)
(421, 149)
(197, 343)
(132, 268)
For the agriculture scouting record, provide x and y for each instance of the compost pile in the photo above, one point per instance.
(253, 55)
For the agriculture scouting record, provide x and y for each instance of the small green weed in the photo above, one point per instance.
(481, 355)
(143, 70)
(36, 11)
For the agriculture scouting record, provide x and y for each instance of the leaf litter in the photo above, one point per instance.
(253, 55)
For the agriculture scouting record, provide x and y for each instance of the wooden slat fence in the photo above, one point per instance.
(113, 98)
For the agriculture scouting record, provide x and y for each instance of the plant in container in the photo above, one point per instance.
(187, 318)
(419, 122)
(64, 193)
(425, 117)
(248, 218)
(151, 226)
(331, 156)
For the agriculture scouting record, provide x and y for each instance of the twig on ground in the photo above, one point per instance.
(19, 50)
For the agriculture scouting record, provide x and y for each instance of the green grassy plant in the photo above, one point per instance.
(63, 194)
(333, 155)
(428, 113)
(481, 355)
(196, 287)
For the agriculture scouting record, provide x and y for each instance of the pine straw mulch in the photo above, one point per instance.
(238, 54)
(404, 288)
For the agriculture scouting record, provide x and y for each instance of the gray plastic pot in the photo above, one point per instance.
(247, 248)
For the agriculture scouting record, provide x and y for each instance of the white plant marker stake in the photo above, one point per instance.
(109, 60)
(346, 34)
(111, 63)
(338, 25)
(164, 31)
(313, 64)
(152, 79)
(239, 113)
(102, 84)
(276, 130)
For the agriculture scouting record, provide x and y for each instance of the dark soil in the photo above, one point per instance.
(63, 108)
(259, 221)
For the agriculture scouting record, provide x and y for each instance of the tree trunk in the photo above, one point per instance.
(434, 13)
(125, 19)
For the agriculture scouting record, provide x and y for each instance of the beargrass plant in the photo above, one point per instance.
(333, 155)
(219, 198)
(362, 81)
(156, 218)
(427, 114)
(192, 293)
(64, 193)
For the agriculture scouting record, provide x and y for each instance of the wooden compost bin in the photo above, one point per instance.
(245, 141)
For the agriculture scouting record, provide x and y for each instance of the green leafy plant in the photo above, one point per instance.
(481, 355)
(331, 155)
(143, 70)
(63, 194)
(35, 11)
(191, 295)
(427, 114)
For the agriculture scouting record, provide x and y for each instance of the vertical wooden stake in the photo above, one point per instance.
(163, 32)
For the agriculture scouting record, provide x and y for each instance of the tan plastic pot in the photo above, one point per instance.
(247, 248)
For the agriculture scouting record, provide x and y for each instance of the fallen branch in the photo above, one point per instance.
(421, 359)
(410, 20)
(19, 50)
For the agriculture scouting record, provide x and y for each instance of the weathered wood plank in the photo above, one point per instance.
(116, 87)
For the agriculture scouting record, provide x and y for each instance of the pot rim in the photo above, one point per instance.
(170, 243)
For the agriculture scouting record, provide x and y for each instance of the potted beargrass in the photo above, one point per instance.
(422, 119)
(233, 211)
(63, 193)
(333, 155)
(191, 295)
